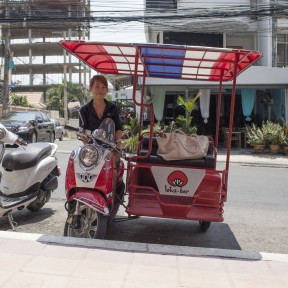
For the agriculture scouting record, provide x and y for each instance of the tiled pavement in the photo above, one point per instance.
(35, 260)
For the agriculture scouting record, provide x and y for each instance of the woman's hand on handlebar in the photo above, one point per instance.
(83, 137)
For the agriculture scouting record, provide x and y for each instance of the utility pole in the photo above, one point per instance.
(6, 69)
(65, 86)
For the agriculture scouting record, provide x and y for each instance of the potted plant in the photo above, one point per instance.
(130, 137)
(255, 138)
(184, 121)
(273, 135)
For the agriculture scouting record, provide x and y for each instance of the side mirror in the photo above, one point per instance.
(74, 106)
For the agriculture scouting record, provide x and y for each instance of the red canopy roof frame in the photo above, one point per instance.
(170, 62)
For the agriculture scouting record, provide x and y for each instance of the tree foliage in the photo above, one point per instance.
(19, 100)
(55, 96)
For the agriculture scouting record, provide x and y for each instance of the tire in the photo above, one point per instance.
(52, 138)
(204, 225)
(34, 137)
(40, 201)
(61, 138)
(92, 224)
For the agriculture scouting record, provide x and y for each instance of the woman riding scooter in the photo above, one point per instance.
(98, 109)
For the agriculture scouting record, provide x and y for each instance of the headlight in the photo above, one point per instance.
(89, 156)
(2, 133)
(23, 129)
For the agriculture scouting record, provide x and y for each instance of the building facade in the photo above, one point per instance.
(30, 31)
(246, 24)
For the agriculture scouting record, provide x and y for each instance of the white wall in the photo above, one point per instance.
(193, 8)
(246, 41)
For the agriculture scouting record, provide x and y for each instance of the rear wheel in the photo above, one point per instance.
(204, 225)
(61, 138)
(89, 224)
(40, 201)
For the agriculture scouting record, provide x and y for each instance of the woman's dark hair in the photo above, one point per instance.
(99, 78)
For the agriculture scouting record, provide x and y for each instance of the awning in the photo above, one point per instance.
(163, 61)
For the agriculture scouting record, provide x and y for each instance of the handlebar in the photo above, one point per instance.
(68, 127)
(86, 138)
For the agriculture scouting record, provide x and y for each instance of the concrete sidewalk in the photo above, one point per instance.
(249, 157)
(35, 260)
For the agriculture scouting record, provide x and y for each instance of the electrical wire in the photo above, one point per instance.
(100, 12)
(122, 15)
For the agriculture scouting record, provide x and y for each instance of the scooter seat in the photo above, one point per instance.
(19, 158)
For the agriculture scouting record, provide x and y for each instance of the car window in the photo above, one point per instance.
(45, 117)
(18, 116)
(39, 119)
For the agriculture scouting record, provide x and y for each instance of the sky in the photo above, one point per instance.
(129, 32)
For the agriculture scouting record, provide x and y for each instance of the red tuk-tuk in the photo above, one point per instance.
(150, 184)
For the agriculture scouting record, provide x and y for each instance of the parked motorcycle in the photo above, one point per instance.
(88, 183)
(28, 175)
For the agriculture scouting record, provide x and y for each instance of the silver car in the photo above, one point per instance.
(59, 129)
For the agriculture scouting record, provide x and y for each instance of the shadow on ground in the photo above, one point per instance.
(173, 232)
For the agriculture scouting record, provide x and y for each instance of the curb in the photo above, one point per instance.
(250, 160)
(145, 247)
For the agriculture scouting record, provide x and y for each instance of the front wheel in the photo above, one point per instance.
(89, 224)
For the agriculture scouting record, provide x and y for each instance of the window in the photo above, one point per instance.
(193, 39)
(282, 50)
(39, 118)
(161, 4)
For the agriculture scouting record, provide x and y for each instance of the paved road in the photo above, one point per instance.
(255, 214)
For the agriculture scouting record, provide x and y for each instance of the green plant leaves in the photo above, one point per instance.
(269, 133)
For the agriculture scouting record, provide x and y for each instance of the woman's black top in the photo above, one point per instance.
(91, 119)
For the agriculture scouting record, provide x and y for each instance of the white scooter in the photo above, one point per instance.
(28, 175)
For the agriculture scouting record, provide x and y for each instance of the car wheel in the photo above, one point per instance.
(34, 137)
(52, 138)
(61, 138)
